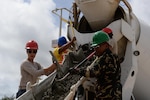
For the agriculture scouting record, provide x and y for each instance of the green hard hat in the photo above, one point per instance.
(99, 37)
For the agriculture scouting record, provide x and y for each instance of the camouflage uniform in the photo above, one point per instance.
(108, 72)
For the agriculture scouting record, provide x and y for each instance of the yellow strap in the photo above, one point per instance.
(64, 20)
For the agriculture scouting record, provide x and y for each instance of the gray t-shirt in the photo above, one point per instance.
(29, 73)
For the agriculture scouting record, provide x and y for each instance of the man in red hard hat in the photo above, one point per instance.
(108, 31)
(31, 70)
(112, 42)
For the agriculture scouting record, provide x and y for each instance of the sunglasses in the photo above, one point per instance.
(96, 46)
(31, 51)
(100, 45)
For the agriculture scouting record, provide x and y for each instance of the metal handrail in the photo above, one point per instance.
(61, 18)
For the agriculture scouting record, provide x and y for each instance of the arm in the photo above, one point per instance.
(50, 69)
(32, 70)
(66, 46)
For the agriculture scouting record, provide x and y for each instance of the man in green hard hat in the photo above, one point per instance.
(106, 69)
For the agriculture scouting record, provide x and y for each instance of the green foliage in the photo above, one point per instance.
(8, 98)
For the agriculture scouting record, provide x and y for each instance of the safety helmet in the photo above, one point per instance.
(31, 45)
(61, 41)
(108, 31)
(99, 37)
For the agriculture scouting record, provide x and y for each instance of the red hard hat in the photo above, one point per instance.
(107, 30)
(31, 45)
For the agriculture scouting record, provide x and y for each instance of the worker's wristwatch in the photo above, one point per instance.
(55, 62)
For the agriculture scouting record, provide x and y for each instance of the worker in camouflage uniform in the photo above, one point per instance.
(106, 69)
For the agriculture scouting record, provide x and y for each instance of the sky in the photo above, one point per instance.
(24, 20)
